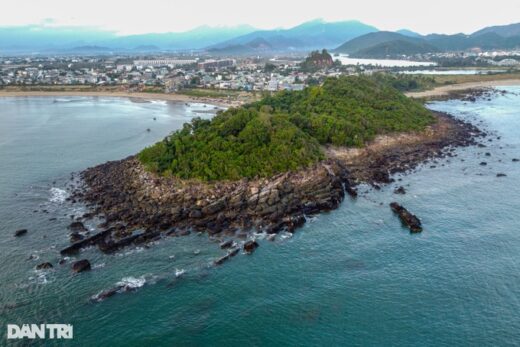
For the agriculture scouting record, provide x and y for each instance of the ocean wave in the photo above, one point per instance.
(132, 282)
(179, 272)
(58, 195)
(125, 285)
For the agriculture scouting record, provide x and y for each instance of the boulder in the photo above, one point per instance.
(20, 232)
(77, 226)
(409, 219)
(76, 236)
(43, 266)
(400, 190)
(227, 244)
(81, 265)
(250, 246)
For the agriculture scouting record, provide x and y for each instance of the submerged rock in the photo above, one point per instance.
(20, 232)
(77, 226)
(43, 266)
(411, 221)
(227, 244)
(81, 265)
(250, 246)
(400, 190)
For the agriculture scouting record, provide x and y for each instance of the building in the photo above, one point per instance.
(215, 64)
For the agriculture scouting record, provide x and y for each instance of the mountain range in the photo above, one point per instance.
(390, 44)
(351, 37)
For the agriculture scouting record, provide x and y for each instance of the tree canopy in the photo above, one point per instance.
(284, 132)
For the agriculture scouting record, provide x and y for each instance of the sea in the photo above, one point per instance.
(351, 277)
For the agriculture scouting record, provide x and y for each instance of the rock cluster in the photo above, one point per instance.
(131, 198)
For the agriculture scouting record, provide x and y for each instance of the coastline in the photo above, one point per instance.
(173, 97)
(446, 90)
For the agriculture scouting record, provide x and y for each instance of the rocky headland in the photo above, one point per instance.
(138, 206)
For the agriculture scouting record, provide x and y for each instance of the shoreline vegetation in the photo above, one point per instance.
(138, 205)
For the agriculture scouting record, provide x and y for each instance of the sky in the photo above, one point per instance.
(132, 17)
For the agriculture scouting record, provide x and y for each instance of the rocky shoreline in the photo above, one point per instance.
(137, 206)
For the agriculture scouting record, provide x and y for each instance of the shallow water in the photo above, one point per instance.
(354, 276)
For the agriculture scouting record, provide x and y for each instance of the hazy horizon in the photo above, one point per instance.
(163, 16)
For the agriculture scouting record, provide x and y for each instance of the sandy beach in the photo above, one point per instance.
(446, 90)
(137, 96)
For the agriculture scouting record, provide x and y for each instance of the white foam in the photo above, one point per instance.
(132, 282)
(58, 195)
(179, 273)
(98, 266)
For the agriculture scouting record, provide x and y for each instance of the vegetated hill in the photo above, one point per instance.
(256, 46)
(284, 131)
(370, 40)
(501, 30)
(384, 43)
(317, 60)
(315, 34)
(395, 48)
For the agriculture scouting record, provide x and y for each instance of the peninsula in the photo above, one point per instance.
(266, 165)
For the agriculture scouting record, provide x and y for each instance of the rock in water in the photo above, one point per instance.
(250, 246)
(81, 265)
(20, 232)
(77, 226)
(411, 221)
(45, 265)
(501, 175)
(226, 244)
(400, 190)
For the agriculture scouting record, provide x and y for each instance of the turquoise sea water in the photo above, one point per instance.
(354, 276)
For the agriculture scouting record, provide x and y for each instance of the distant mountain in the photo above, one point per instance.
(408, 33)
(484, 41)
(194, 39)
(89, 49)
(501, 30)
(36, 37)
(58, 39)
(384, 43)
(315, 34)
(352, 37)
(368, 41)
(395, 48)
(256, 46)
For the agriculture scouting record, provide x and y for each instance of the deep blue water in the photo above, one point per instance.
(354, 276)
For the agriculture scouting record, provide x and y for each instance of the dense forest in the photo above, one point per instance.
(284, 131)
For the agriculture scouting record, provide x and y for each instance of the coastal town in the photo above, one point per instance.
(172, 73)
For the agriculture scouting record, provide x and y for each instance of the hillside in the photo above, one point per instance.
(395, 48)
(284, 131)
(383, 43)
(368, 41)
(501, 30)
